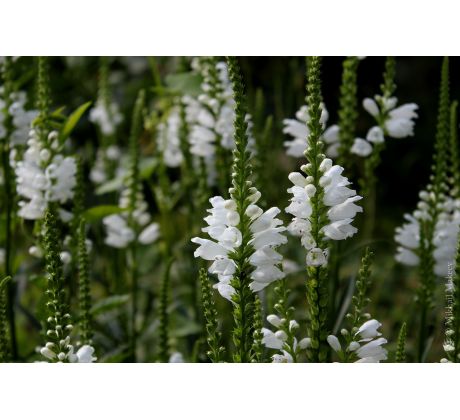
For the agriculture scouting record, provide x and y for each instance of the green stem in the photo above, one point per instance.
(10, 198)
(134, 297)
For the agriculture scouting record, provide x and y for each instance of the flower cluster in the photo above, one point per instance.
(283, 339)
(394, 122)
(215, 112)
(85, 354)
(123, 229)
(211, 117)
(335, 195)
(445, 236)
(365, 345)
(44, 175)
(223, 229)
(21, 118)
(298, 129)
(106, 116)
(110, 162)
(168, 140)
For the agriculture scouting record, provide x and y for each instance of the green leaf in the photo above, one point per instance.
(95, 213)
(185, 83)
(109, 304)
(110, 186)
(147, 166)
(72, 120)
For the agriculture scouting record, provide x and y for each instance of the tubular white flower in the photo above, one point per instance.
(226, 237)
(370, 106)
(372, 352)
(368, 330)
(334, 343)
(394, 122)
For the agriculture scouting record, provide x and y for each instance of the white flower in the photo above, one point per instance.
(150, 234)
(41, 178)
(21, 118)
(396, 122)
(370, 106)
(334, 343)
(401, 124)
(226, 238)
(337, 196)
(168, 139)
(285, 357)
(316, 257)
(375, 135)
(176, 357)
(372, 351)
(120, 233)
(85, 354)
(297, 128)
(361, 147)
(106, 116)
(369, 330)
(211, 118)
(270, 340)
(279, 340)
(444, 239)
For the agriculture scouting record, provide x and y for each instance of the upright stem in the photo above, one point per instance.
(9, 195)
(243, 298)
(134, 276)
(317, 288)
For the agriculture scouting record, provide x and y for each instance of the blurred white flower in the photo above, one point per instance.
(106, 116)
(168, 139)
(298, 129)
(21, 118)
(122, 229)
(43, 176)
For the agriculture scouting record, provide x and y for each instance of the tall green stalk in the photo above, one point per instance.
(163, 353)
(4, 342)
(369, 180)
(243, 298)
(437, 189)
(348, 108)
(401, 350)
(317, 287)
(214, 336)
(10, 295)
(454, 160)
(134, 190)
(86, 332)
